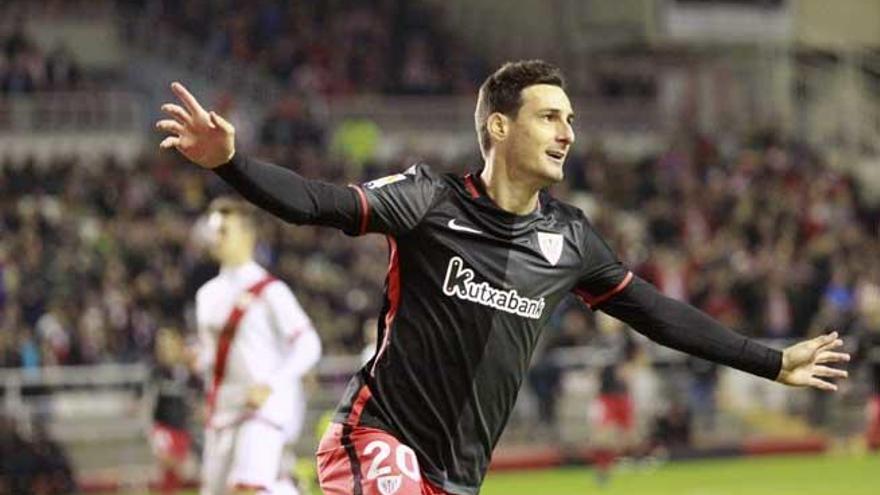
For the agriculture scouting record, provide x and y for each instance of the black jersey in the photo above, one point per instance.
(469, 288)
(173, 385)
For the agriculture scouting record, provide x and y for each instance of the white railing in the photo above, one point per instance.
(74, 111)
(65, 392)
(99, 409)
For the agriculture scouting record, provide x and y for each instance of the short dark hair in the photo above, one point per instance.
(502, 92)
(228, 205)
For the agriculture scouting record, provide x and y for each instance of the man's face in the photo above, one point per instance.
(169, 347)
(541, 134)
(229, 236)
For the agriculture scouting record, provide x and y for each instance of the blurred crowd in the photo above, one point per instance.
(760, 233)
(32, 462)
(331, 48)
(25, 67)
(763, 236)
(94, 259)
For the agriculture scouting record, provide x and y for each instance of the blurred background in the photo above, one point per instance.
(728, 150)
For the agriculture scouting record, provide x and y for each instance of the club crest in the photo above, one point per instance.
(551, 246)
(388, 484)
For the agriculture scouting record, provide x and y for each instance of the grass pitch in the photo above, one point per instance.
(789, 475)
(784, 475)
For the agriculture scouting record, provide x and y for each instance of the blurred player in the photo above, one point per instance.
(612, 413)
(867, 333)
(172, 382)
(256, 343)
(477, 265)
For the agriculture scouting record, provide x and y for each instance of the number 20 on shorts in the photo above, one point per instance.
(404, 457)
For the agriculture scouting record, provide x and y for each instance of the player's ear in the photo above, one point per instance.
(498, 125)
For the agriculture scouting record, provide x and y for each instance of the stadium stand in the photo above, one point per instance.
(329, 48)
(98, 250)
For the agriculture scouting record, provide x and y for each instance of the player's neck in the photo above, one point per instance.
(237, 260)
(506, 190)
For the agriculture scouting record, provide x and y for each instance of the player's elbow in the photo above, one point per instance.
(314, 349)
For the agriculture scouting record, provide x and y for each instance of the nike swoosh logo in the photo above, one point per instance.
(461, 228)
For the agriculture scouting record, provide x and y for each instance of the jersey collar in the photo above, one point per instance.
(477, 190)
(244, 272)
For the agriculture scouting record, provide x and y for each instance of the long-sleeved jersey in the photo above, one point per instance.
(469, 288)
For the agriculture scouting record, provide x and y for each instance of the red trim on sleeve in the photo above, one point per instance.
(592, 302)
(365, 209)
(393, 299)
(469, 185)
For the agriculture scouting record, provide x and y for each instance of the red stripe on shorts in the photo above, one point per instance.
(357, 408)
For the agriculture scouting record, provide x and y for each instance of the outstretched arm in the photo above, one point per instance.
(287, 195)
(208, 140)
(683, 327)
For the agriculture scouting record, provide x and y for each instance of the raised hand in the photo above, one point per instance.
(202, 136)
(803, 364)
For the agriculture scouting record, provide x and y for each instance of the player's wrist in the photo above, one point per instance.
(220, 161)
(784, 367)
(229, 157)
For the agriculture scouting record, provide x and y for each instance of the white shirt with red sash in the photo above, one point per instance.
(273, 343)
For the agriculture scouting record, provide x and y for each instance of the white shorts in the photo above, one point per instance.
(247, 455)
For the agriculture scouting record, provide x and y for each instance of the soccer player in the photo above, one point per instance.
(866, 330)
(256, 343)
(171, 384)
(477, 264)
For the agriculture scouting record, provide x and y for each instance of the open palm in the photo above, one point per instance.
(804, 364)
(202, 136)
